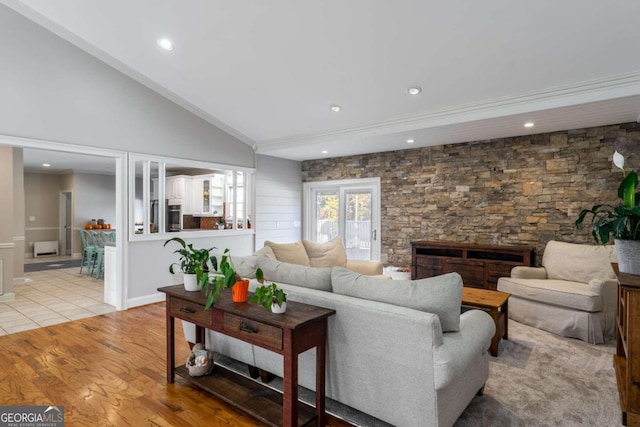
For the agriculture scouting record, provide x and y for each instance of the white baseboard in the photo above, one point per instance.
(147, 299)
(9, 296)
(19, 280)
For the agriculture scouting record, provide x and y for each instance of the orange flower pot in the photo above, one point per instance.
(240, 291)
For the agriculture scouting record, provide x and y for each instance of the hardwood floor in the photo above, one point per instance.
(108, 370)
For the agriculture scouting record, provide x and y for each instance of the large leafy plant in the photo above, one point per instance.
(621, 221)
(200, 262)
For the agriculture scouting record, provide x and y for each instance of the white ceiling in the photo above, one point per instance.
(267, 71)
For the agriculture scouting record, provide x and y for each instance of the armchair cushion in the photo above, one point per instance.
(563, 293)
(579, 263)
(368, 268)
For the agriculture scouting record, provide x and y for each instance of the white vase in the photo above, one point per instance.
(278, 309)
(191, 282)
(628, 254)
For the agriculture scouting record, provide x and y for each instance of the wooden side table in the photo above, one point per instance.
(302, 327)
(496, 303)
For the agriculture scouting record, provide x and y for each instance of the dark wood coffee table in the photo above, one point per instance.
(495, 303)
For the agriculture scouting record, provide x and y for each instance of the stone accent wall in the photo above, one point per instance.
(523, 190)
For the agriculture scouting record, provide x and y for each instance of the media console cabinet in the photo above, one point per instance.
(479, 265)
(302, 327)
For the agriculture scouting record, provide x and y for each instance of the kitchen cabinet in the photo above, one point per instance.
(178, 191)
(208, 195)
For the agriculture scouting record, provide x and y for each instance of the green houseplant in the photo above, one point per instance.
(194, 263)
(622, 221)
(271, 297)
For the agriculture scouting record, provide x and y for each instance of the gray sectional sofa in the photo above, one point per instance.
(397, 350)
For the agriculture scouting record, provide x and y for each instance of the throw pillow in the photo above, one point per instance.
(292, 253)
(297, 275)
(440, 295)
(266, 251)
(329, 254)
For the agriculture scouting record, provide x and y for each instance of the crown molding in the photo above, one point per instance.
(612, 87)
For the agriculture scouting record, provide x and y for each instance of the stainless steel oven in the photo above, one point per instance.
(174, 217)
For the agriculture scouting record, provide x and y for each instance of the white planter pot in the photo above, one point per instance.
(628, 254)
(279, 309)
(190, 282)
(220, 226)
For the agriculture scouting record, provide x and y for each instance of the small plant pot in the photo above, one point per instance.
(191, 282)
(278, 309)
(240, 291)
(220, 226)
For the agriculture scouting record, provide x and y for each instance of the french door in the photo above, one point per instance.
(349, 209)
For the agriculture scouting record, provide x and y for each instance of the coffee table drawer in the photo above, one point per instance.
(253, 331)
(190, 311)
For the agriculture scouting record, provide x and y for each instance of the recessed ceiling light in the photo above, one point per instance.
(166, 44)
(335, 108)
(324, 151)
(46, 165)
(414, 90)
(528, 125)
(410, 141)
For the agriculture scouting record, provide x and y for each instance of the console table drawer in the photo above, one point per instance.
(253, 331)
(190, 311)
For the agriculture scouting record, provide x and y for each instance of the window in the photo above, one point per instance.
(169, 196)
(349, 209)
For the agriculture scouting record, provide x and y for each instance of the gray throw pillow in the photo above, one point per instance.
(440, 295)
(297, 275)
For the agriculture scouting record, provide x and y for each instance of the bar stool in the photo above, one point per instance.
(88, 251)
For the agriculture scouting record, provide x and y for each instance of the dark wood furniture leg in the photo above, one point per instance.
(320, 373)
(505, 311)
(171, 355)
(290, 383)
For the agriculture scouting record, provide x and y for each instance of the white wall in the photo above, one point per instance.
(95, 198)
(52, 90)
(278, 200)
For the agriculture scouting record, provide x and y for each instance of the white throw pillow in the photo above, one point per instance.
(297, 275)
(440, 295)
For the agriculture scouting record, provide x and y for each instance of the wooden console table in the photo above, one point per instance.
(302, 327)
(626, 361)
(479, 265)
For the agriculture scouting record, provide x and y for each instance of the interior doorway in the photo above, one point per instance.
(66, 222)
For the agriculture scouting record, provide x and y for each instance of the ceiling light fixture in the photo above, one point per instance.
(528, 125)
(324, 151)
(335, 108)
(165, 44)
(46, 165)
(410, 141)
(414, 90)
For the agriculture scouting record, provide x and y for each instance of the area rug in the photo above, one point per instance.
(53, 265)
(541, 379)
(538, 379)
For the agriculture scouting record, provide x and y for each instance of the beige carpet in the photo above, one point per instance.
(541, 379)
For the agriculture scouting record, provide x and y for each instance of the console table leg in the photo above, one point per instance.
(320, 374)
(170, 348)
(290, 384)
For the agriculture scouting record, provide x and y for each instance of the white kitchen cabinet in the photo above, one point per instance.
(208, 195)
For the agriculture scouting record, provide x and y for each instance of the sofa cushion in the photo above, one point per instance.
(292, 253)
(440, 295)
(266, 251)
(293, 274)
(329, 254)
(563, 293)
(579, 263)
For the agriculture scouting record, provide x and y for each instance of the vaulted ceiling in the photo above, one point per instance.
(269, 71)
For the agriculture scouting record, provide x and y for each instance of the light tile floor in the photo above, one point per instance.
(50, 297)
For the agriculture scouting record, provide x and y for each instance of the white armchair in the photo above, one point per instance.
(573, 294)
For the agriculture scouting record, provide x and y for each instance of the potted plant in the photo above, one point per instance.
(621, 221)
(221, 223)
(271, 297)
(194, 263)
(239, 286)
